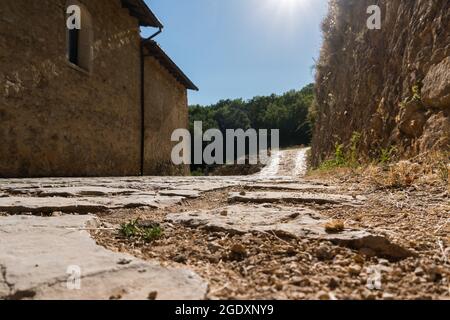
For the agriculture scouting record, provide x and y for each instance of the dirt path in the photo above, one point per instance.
(272, 235)
(286, 163)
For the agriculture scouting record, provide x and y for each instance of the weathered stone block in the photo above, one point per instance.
(436, 85)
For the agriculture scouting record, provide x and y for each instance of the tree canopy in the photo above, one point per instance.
(287, 112)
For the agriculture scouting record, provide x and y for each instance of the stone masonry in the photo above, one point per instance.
(59, 120)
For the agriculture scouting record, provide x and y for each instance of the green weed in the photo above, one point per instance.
(386, 155)
(135, 230)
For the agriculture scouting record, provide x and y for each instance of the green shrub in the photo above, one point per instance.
(343, 157)
(129, 229)
(337, 161)
(443, 169)
(417, 92)
(353, 157)
(152, 233)
(386, 155)
(135, 230)
(197, 173)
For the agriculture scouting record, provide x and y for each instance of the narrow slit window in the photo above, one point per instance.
(80, 41)
(74, 36)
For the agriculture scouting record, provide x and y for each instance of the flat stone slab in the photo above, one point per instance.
(291, 186)
(79, 191)
(91, 195)
(139, 184)
(286, 221)
(39, 255)
(294, 197)
(118, 184)
(83, 205)
(191, 194)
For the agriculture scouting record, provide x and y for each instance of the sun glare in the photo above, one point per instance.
(286, 7)
(285, 14)
(289, 4)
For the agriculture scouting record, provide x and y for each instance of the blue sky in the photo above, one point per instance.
(241, 48)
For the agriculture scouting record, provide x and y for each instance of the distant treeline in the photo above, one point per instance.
(287, 112)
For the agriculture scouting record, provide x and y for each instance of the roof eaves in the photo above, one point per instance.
(158, 53)
(140, 10)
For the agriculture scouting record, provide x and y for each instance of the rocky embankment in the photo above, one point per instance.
(391, 85)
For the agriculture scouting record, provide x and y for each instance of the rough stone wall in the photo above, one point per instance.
(391, 85)
(166, 109)
(56, 120)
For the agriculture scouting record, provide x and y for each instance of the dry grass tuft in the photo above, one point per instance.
(431, 168)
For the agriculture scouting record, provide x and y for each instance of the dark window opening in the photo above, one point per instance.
(74, 36)
(80, 41)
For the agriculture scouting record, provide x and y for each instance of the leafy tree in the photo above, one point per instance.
(288, 112)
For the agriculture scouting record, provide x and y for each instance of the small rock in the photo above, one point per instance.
(388, 296)
(294, 215)
(324, 253)
(279, 286)
(383, 262)
(322, 295)
(300, 282)
(224, 213)
(124, 261)
(358, 259)
(148, 224)
(344, 262)
(152, 295)
(269, 271)
(332, 296)
(333, 283)
(369, 296)
(239, 249)
(354, 270)
(180, 258)
(298, 296)
(291, 251)
(367, 252)
(419, 272)
(416, 280)
(214, 259)
(435, 273)
(213, 247)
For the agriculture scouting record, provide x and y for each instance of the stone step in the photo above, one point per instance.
(37, 254)
(294, 197)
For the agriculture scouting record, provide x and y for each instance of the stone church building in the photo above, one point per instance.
(99, 101)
